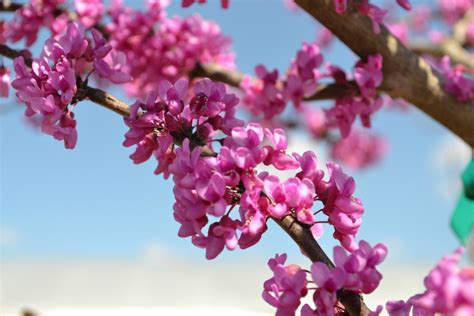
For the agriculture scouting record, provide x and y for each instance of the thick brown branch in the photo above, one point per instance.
(405, 74)
(303, 237)
(7, 6)
(449, 47)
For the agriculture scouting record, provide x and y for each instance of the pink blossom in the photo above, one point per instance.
(160, 48)
(368, 77)
(291, 5)
(324, 37)
(340, 6)
(356, 272)
(449, 291)
(420, 17)
(89, 11)
(376, 14)
(220, 235)
(264, 95)
(360, 266)
(400, 30)
(30, 18)
(456, 81)
(359, 149)
(315, 121)
(404, 4)
(451, 11)
(344, 211)
(286, 288)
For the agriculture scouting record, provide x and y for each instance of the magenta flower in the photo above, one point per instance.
(456, 81)
(89, 11)
(30, 18)
(359, 149)
(286, 288)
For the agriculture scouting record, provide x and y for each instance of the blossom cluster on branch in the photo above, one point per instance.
(223, 199)
(227, 176)
(50, 88)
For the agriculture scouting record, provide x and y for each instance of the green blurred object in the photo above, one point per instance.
(462, 220)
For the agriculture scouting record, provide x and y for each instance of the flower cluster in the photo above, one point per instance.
(160, 48)
(30, 18)
(89, 11)
(449, 291)
(359, 149)
(368, 76)
(356, 272)
(269, 95)
(51, 85)
(211, 181)
(457, 81)
(452, 11)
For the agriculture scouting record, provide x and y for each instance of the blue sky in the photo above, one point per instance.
(93, 202)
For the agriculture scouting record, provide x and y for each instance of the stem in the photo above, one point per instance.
(406, 75)
(301, 234)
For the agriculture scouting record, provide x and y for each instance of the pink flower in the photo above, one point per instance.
(286, 288)
(456, 81)
(360, 266)
(30, 18)
(340, 6)
(344, 211)
(291, 5)
(404, 4)
(160, 48)
(369, 75)
(376, 14)
(264, 96)
(4, 81)
(89, 11)
(327, 279)
(359, 150)
(449, 291)
(451, 11)
(220, 235)
(315, 120)
(400, 30)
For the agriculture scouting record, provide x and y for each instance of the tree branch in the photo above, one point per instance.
(449, 47)
(406, 75)
(303, 237)
(7, 6)
(299, 233)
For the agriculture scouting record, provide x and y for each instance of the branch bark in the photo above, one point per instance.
(7, 6)
(405, 74)
(303, 237)
(449, 47)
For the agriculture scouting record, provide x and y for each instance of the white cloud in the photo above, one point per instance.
(449, 159)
